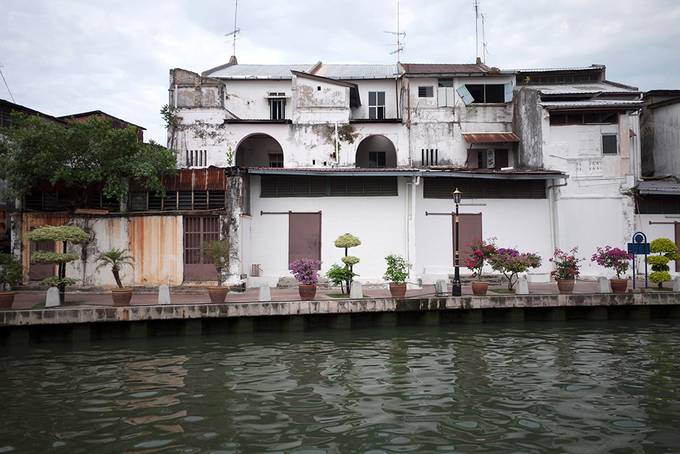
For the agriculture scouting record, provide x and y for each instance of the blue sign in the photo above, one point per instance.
(639, 246)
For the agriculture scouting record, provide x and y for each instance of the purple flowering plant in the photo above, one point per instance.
(510, 262)
(305, 270)
(614, 258)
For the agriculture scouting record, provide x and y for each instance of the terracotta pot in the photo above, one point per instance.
(121, 296)
(565, 285)
(307, 292)
(479, 288)
(6, 299)
(619, 285)
(217, 294)
(397, 290)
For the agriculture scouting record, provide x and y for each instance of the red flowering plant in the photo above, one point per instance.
(480, 252)
(305, 271)
(510, 262)
(566, 264)
(614, 258)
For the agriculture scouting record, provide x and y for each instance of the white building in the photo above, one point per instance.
(544, 158)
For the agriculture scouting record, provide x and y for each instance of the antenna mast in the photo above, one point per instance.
(236, 30)
(476, 4)
(399, 36)
(484, 49)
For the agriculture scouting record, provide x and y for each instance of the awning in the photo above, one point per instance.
(490, 137)
(659, 187)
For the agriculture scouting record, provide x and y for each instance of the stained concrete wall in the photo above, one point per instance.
(664, 137)
(527, 121)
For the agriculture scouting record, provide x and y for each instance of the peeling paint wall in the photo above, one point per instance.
(318, 102)
(527, 121)
(664, 136)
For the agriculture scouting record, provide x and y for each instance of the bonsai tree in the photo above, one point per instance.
(63, 234)
(614, 258)
(10, 272)
(510, 262)
(219, 252)
(397, 269)
(665, 250)
(116, 259)
(346, 241)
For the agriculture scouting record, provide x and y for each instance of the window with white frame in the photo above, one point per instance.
(376, 105)
(277, 106)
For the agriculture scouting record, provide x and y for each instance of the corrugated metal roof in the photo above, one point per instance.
(445, 68)
(353, 72)
(659, 187)
(490, 137)
(591, 103)
(524, 174)
(566, 68)
(575, 89)
(258, 71)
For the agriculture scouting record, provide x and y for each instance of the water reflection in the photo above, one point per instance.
(596, 387)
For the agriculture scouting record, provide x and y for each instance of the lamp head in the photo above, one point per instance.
(457, 196)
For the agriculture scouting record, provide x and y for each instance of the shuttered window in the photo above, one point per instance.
(442, 188)
(321, 186)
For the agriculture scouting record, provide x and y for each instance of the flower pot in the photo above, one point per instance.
(217, 294)
(619, 285)
(565, 285)
(397, 290)
(6, 299)
(307, 291)
(479, 288)
(121, 296)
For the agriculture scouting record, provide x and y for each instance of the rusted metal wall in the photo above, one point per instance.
(156, 243)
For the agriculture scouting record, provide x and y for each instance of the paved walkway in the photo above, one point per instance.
(29, 299)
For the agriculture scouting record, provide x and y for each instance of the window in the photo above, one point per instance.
(492, 159)
(376, 159)
(426, 91)
(197, 158)
(489, 93)
(429, 156)
(376, 105)
(477, 188)
(321, 186)
(610, 144)
(584, 118)
(277, 108)
(275, 159)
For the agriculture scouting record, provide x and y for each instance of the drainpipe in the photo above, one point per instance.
(552, 211)
(337, 151)
(411, 222)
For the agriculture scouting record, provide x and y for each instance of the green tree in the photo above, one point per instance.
(35, 151)
(346, 241)
(665, 250)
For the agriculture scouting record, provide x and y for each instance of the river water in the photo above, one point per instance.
(494, 388)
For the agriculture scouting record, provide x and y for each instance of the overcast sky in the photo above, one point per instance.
(63, 57)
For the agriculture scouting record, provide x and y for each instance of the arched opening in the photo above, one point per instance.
(259, 150)
(376, 152)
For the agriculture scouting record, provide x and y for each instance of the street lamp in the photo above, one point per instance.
(456, 286)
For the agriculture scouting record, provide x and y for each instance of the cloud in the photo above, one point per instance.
(66, 56)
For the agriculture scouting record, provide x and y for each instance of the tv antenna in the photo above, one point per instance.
(236, 30)
(399, 37)
(6, 86)
(476, 5)
(484, 48)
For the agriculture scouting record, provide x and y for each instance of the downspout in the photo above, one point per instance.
(552, 211)
(411, 223)
(337, 151)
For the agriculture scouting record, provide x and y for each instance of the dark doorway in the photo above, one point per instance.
(304, 236)
(40, 271)
(470, 231)
(199, 230)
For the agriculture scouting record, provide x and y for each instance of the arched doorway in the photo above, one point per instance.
(259, 150)
(375, 152)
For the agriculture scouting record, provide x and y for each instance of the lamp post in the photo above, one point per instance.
(456, 286)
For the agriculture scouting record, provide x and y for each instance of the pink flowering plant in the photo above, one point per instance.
(614, 258)
(566, 264)
(510, 262)
(480, 253)
(305, 270)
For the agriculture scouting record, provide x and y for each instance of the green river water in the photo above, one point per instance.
(575, 387)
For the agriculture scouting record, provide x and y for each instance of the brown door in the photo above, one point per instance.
(677, 242)
(304, 236)
(199, 230)
(40, 271)
(469, 231)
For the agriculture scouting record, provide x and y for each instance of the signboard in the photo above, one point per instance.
(639, 246)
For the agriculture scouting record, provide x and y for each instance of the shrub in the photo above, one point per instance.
(566, 264)
(614, 258)
(510, 262)
(219, 253)
(481, 252)
(10, 271)
(305, 271)
(338, 275)
(397, 269)
(116, 259)
(665, 251)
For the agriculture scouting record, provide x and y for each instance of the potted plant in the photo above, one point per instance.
(10, 275)
(616, 259)
(396, 274)
(117, 259)
(664, 251)
(481, 252)
(306, 273)
(218, 252)
(510, 262)
(566, 269)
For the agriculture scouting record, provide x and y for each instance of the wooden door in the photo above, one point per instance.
(469, 231)
(304, 236)
(199, 230)
(677, 242)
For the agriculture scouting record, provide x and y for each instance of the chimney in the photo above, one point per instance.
(232, 61)
(479, 61)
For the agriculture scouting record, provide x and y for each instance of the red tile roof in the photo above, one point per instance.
(491, 137)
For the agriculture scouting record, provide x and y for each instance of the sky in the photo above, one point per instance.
(66, 56)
